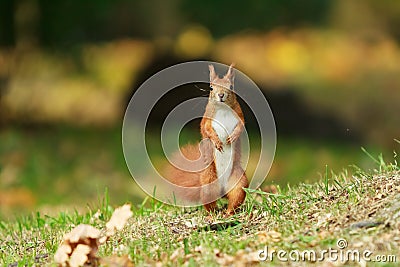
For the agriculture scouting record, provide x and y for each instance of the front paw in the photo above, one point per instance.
(219, 146)
(232, 138)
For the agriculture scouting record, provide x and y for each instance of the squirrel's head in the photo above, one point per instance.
(221, 89)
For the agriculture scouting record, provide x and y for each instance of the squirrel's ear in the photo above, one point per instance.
(213, 75)
(230, 75)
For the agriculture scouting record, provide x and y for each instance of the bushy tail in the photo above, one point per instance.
(181, 177)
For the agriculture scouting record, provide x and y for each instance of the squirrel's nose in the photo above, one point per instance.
(221, 95)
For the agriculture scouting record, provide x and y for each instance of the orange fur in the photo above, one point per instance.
(237, 178)
(183, 178)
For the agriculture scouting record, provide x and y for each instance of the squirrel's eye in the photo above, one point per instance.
(211, 87)
(231, 87)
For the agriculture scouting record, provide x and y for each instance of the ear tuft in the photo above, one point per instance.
(230, 75)
(213, 75)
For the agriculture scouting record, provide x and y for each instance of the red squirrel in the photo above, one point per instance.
(220, 127)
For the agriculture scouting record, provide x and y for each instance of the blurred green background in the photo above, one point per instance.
(329, 68)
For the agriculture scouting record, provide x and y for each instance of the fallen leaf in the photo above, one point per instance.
(224, 259)
(269, 236)
(118, 219)
(81, 232)
(80, 255)
(80, 246)
(62, 254)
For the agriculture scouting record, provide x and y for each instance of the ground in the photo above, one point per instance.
(348, 213)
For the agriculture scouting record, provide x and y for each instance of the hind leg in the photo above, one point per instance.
(209, 193)
(237, 195)
(210, 207)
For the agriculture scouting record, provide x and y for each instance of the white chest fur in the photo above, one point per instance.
(224, 122)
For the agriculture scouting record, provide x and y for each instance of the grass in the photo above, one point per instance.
(60, 167)
(363, 209)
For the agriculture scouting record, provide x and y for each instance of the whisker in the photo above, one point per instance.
(201, 89)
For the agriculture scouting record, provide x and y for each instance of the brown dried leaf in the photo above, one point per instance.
(118, 219)
(224, 259)
(103, 239)
(62, 254)
(269, 236)
(79, 246)
(82, 232)
(79, 256)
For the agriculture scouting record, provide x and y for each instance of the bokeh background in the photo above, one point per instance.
(330, 70)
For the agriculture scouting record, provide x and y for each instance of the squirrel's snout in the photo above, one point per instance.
(221, 95)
